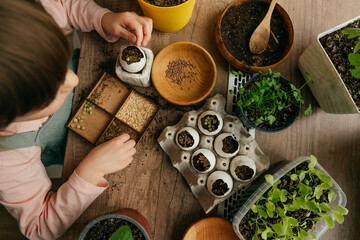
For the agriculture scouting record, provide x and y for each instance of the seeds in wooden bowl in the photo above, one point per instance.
(179, 70)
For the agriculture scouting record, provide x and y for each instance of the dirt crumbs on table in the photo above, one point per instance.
(338, 47)
(131, 54)
(137, 111)
(185, 139)
(179, 70)
(115, 129)
(165, 3)
(239, 23)
(219, 187)
(230, 145)
(244, 172)
(104, 229)
(201, 163)
(210, 122)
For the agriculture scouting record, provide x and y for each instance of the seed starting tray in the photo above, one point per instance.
(181, 159)
(112, 108)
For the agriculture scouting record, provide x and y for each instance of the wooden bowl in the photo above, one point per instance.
(212, 228)
(238, 64)
(188, 92)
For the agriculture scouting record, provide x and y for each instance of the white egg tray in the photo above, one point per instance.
(181, 159)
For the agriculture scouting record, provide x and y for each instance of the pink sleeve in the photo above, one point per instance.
(84, 15)
(24, 191)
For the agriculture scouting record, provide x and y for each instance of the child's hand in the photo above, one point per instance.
(106, 158)
(128, 25)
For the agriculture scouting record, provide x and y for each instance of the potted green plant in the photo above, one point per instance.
(298, 201)
(125, 224)
(330, 60)
(269, 102)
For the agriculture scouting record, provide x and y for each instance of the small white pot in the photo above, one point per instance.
(218, 145)
(219, 119)
(209, 155)
(132, 67)
(242, 161)
(219, 175)
(194, 134)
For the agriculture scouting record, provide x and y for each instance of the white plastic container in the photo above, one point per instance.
(320, 228)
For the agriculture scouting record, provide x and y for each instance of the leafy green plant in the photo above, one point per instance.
(268, 96)
(294, 204)
(123, 233)
(354, 57)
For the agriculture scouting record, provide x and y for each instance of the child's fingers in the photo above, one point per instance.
(137, 28)
(129, 144)
(147, 29)
(122, 32)
(122, 138)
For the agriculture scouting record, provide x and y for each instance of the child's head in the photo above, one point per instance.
(33, 60)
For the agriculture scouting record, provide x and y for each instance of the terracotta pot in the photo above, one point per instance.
(328, 88)
(129, 215)
(235, 62)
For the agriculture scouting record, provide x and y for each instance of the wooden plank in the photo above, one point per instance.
(156, 189)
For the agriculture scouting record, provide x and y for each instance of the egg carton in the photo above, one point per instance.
(181, 159)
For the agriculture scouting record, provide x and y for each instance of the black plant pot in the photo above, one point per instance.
(248, 123)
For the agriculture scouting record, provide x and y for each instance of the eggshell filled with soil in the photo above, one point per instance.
(210, 123)
(243, 168)
(219, 184)
(187, 138)
(226, 145)
(203, 160)
(132, 59)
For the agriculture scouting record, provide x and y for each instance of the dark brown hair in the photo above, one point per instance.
(33, 58)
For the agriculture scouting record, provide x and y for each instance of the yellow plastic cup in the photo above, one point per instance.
(168, 19)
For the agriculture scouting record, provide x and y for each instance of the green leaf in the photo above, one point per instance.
(231, 91)
(234, 72)
(354, 59)
(278, 228)
(267, 233)
(331, 196)
(269, 178)
(313, 236)
(239, 103)
(313, 162)
(270, 206)
(302, 176)
(294, 177)
(262, 213)
(325, 207)
(303, 233)
(310, 205)
(324, 186)
(241, 91)
(303, 189)
(293, 221)
(309, 77)
(300, 200)
(324, 178)
(328, 220)
(338, 217)
(308, 110)
(123, 233)
(357, 47)
(270, 213)
(353, 32)
(254, 208)
(355, 73)
(342, 210)
(271, 119)
(258, 121)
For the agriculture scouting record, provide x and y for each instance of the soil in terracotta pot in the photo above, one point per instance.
(131, 54)
(165, 3)
(248, 231)
(219, 187)
(338, 47)
(230, 145)
(185, 139)
(210, 122)
(201, 163)
(244, 172)
(283, 117)
(239, 23)
(105, 228)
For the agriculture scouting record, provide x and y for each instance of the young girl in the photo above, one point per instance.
(35, 83)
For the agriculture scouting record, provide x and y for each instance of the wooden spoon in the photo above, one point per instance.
(260, 37)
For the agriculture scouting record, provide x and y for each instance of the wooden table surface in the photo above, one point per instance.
(154, 187)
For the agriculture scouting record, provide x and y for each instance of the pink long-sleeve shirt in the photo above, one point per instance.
(24, 184)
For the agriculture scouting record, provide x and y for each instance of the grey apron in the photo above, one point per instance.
(51, 137)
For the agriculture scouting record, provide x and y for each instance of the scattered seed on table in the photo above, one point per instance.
(78, 126)
(82, 127)
(72, 125)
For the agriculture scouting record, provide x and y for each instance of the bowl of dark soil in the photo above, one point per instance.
(203, 160)
(226, 145)
(168, 15)
(242, 168)
(219, 184)
(124, 223)
(269, 103)
(235, 27)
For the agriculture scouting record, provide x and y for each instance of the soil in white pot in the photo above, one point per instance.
(338, 47)
(104, 229)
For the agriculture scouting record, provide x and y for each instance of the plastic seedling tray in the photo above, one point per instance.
(319, 229)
